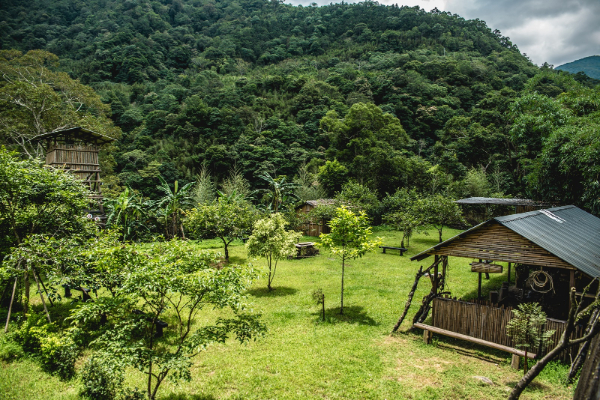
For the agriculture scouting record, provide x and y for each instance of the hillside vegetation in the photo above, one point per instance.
(588, 65)
(400, 97)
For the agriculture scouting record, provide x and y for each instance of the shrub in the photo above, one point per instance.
(101, 380)
(132, 394)
(58, 355)
(9, 350)
(32, 331)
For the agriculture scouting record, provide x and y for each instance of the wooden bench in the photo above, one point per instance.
(428, 330)
(401, 249)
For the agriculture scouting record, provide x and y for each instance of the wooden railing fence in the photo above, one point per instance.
(487, 321)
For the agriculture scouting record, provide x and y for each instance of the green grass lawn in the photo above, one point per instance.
(346, 357)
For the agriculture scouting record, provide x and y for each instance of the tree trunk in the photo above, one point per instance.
(12, 297)
(583, 349)
(440, 232)
(412, 292)
(342, 298)
(226, 252)
(26, 287)
(41, 296)
(588, 387)
(150, 381)
(410, 296)
(271, 273)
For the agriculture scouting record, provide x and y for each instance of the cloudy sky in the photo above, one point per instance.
(553, 31)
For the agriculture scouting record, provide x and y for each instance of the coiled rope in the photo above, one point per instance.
(538, 280)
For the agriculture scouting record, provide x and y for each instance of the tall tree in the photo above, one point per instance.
(439, 211)
(223, 219)
(270, 240)
(173, 281)
(37, 200)
(349, 239)
(35, 99)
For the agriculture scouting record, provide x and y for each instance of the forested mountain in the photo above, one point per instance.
(390, 96)
(588, 65)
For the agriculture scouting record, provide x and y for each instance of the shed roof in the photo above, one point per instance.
(320, 202)
(500, 201)
(568, 232)
(76, 133)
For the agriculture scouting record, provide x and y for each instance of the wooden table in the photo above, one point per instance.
(306, 249)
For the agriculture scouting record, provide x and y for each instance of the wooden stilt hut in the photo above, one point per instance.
(76, 150)
(549, 250)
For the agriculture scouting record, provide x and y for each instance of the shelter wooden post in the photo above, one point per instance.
(479, 287)
(514, 363)
(509, 273)
(435, 274)
(435, 283)
(571, 284)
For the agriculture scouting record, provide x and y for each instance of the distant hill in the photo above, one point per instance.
(589, 65)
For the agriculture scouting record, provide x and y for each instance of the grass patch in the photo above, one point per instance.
(350, 356)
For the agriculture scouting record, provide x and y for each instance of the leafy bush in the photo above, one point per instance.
(35, 328)
(9, 350)
(101, 380)
(58, 355)
(132, 394)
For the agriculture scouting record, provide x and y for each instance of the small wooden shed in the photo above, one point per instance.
(314, 228)
(76, 150)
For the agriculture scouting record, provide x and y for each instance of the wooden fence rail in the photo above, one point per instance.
(487, 321)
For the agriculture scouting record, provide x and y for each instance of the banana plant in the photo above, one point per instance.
(171, 207)
(279, 194)
(127, 212)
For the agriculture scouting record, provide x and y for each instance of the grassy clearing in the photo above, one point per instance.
(346, 357)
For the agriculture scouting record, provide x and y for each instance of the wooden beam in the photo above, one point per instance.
(471, 339)
(485, 267)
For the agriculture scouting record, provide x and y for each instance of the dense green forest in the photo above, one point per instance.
(385, 96)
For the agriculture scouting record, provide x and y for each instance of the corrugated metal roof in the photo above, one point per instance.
(568, 232)
(500, 201)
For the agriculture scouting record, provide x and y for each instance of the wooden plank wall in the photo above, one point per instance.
(80, 160)
(311, 228)
(487, 321)
(498, 243)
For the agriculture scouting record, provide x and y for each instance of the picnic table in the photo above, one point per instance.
(401, 249)
(306, 249)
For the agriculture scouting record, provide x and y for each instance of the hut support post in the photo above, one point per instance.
(509, 273)
(435, 273)
(479, 287)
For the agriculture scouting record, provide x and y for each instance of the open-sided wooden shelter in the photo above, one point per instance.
(76, 150)
(477, 209)
(552, 251)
